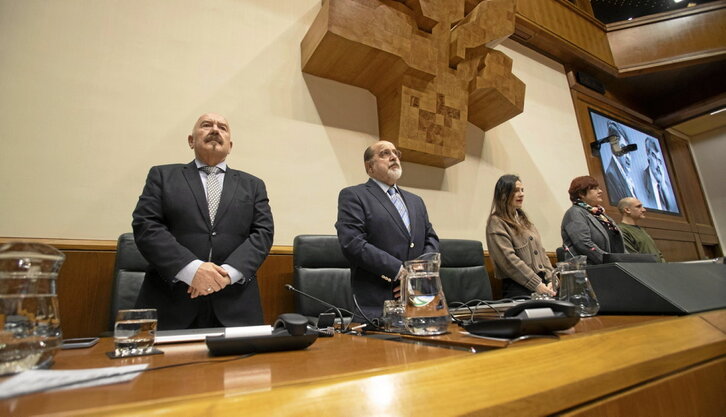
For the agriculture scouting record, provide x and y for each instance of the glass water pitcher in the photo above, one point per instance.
(423, 297)
(575, 286)
(30, 330)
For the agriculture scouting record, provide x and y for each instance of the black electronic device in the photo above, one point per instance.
(590, 82)
(658, 288)
(294, 324)
(290, 333)
(79, 343)
(326, 320)
(530, 317)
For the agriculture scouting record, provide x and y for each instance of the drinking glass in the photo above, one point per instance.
(393, 312)
(134, 332)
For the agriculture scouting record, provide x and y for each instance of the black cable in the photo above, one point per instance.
(344, 327)
(478, 302)
(362, 314)
(97, 378)
(342, 320)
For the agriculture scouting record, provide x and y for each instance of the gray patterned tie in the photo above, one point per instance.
(400, 206)
(214, 191)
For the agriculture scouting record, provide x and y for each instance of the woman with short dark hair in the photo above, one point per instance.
(586, 229)
(514, 244)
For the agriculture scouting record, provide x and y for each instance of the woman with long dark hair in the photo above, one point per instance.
(514, 244)
(586, 229)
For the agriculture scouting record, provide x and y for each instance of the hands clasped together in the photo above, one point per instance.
(209, 278)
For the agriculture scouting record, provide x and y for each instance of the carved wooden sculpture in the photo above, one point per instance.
(428, 62)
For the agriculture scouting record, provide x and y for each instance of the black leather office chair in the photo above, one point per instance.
(320, 269)
(463, 274)
(128, 276)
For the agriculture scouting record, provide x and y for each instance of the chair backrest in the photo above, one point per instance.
(463, 274)
(128, 275)
(321, 270)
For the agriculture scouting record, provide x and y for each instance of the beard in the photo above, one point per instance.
(395, 173)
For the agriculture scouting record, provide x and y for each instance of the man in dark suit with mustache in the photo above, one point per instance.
(205, 229)
(379, 227)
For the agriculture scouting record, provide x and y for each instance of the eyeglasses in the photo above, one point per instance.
(387, 153)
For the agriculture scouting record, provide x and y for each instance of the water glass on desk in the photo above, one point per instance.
(393, 312)
(134, 332)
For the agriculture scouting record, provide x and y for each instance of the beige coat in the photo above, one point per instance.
(519, 256)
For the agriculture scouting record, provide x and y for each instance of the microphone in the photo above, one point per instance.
(325, 303)
(617, 149)
(568, 250)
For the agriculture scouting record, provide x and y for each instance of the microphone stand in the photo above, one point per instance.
(344, 327)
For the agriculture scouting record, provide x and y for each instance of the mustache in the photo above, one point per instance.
(213, 137)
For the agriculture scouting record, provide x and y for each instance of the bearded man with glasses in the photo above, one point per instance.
(379, 227)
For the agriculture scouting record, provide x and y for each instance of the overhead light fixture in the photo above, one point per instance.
(718, 111)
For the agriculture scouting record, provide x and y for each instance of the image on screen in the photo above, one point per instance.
(642, 173)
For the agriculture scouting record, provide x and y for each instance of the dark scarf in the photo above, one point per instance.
(599, 213)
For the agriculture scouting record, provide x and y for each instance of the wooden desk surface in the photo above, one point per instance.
(337, 356)
(350, 375)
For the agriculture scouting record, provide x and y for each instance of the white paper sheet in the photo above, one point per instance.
(48, 380)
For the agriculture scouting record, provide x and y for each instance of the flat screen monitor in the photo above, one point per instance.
(642, 173)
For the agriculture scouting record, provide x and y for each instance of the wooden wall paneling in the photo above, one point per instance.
(495, 283)
(692, 111)
(708, 239)
(688, 181)
(669, 40)
(697, 391)
(272, 276)
(666, 234)
(84, 292)
(678, 251)
(561, 30)
(691, 192)
(712, 251)
(570, 35)
(608, 98)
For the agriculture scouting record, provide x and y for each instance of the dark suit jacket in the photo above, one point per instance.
(616, 183)
(172, 228)
(376, 242)
(585, 235)
(650, 192)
